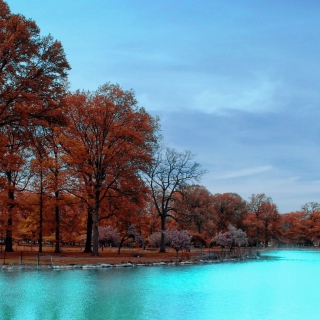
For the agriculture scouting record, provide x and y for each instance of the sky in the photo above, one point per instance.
(235, 82)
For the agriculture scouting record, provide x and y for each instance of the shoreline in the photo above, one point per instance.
(126, 262)
(69, 259)
(72, 257)
(31, 267)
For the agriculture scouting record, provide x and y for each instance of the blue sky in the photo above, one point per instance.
(237, 83)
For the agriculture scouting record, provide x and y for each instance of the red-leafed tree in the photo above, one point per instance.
(193, 205)
(294, 228)
(194, 212)
(56, 178)
(109, 139)
(262, 221)
(49, 175)
(14, 173)
(33, 72)
(228, 208)
(39, 172)
(269, 219)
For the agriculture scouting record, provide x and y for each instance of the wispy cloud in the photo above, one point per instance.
(255, 95)
(245, 172)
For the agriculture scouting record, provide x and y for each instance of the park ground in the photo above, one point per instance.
(74, 255)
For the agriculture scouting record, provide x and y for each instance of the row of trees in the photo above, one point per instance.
(75, 164)
(71, 158)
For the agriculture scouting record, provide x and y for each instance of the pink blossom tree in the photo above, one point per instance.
(176, 239)
(155, 239)
(108, 235)
(232, 237)
(179, 240)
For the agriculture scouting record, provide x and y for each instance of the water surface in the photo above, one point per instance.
(280, 285)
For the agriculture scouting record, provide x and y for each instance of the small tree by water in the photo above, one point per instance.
(232, 237)
(176, 239)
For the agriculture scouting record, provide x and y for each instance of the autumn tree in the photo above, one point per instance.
(252, 222)
(195, 212)
(170, 171)
(312, 226)
(56, 179)
(301, 227)
(33, 72)
(149, 217)
(109, 140)
(39, 171)
(229, 208)
(124, 211)
(48, 170)
(14, 172)
(71, 220)
(193, 206)
(294, 228)
(263, 218)
(269, 221)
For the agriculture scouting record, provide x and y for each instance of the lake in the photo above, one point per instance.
(280, 285)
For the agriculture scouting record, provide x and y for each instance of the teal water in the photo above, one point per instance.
(280, 285)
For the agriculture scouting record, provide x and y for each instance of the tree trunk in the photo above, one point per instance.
(163, 240)
(57, 236)
(232, 245)
(9, 241)
(120, 246)
(41, 212)
(266, 238)
(96, 223)
(89, 232)
(9, 247)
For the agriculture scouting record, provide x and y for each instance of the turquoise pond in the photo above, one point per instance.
(280, 285)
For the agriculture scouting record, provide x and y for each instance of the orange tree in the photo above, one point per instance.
(109, 139)
(33, 71)
(269, 219)
(294, 227)
(33, 74)
(263, 220)
(14, 173)
(228, 208)
(194, 210)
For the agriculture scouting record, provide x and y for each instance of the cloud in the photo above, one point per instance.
(244, 172)
(254, 95)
